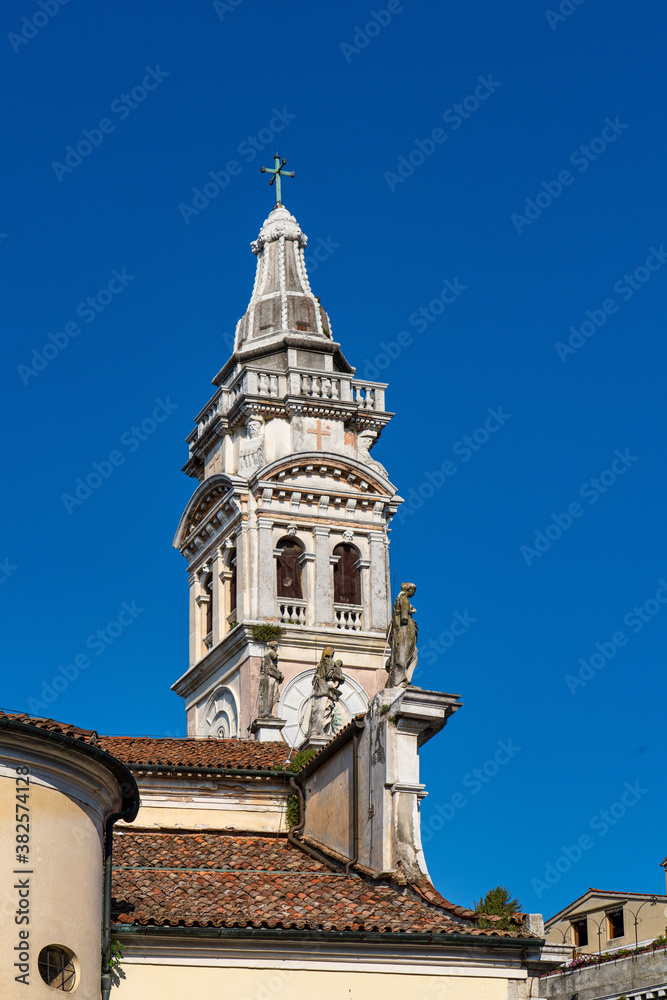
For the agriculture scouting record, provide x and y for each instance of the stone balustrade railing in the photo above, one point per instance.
(292, 611)
(348, 616)
(325, 386)
(335, 386)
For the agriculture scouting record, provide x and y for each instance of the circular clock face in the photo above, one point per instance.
(295, 701)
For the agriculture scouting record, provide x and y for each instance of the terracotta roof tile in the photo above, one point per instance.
(222, 880)
(63, 728)
(216, 754)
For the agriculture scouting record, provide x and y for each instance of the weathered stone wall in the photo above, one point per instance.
(638, 972)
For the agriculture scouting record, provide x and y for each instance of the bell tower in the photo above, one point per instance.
(288, 525)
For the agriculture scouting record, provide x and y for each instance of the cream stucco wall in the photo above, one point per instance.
(173, 982)
(212, 804)
(62, 882)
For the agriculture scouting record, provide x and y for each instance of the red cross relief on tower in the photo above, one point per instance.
(320, 433)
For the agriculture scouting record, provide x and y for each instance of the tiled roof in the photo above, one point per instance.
(222, 880)
(62, 728)
(251, 755)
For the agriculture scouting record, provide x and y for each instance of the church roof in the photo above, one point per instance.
(214, 754)
(223, 880)
(51, 726)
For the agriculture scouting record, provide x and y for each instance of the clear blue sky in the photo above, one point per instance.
(354, 106)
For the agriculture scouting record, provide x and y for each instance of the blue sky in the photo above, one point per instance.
(530, 216)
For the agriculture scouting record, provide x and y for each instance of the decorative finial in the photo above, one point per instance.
(277, 172)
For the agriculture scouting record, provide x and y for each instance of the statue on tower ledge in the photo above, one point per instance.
(327, 681)
(402, 658)
(270, 679)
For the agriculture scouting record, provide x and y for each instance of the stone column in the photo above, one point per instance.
(324, 614)
(242, 573)
(218, 625)
(195, 618)
(266, 570)
(201, 600)
(378, 612)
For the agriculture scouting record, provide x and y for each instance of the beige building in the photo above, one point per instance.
(277, 850)
(602, 921)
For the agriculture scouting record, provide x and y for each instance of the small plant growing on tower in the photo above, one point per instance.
(267, 633)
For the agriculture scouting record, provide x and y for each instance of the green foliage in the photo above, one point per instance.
(298, 761)
(497, 902)
(292, 811)
(117, 953)
(301, 759)
(266, 632)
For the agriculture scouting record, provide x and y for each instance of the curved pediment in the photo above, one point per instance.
(206, 497)
(326, 471)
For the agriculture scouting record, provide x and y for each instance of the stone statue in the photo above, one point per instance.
(365, 442)
(251, 447)
(327, 681)
(270, 679)
(402, 658)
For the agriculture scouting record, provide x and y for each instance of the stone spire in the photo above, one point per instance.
(282, 301)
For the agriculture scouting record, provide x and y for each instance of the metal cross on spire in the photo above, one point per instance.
(277, 172)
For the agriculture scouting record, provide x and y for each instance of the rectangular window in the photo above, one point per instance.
(580, 929)
(616, 928)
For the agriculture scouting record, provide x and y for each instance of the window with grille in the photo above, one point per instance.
(56, 967)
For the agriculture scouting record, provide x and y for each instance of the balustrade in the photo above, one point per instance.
(348, 616)
(292, 611)
(320, 387)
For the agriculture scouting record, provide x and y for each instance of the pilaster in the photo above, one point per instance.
(379, 604)
(266, 570)
(323, 576)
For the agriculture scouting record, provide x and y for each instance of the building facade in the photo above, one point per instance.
(602, 921)
(276, 851)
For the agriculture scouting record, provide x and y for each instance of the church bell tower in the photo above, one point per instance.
(288, 525)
